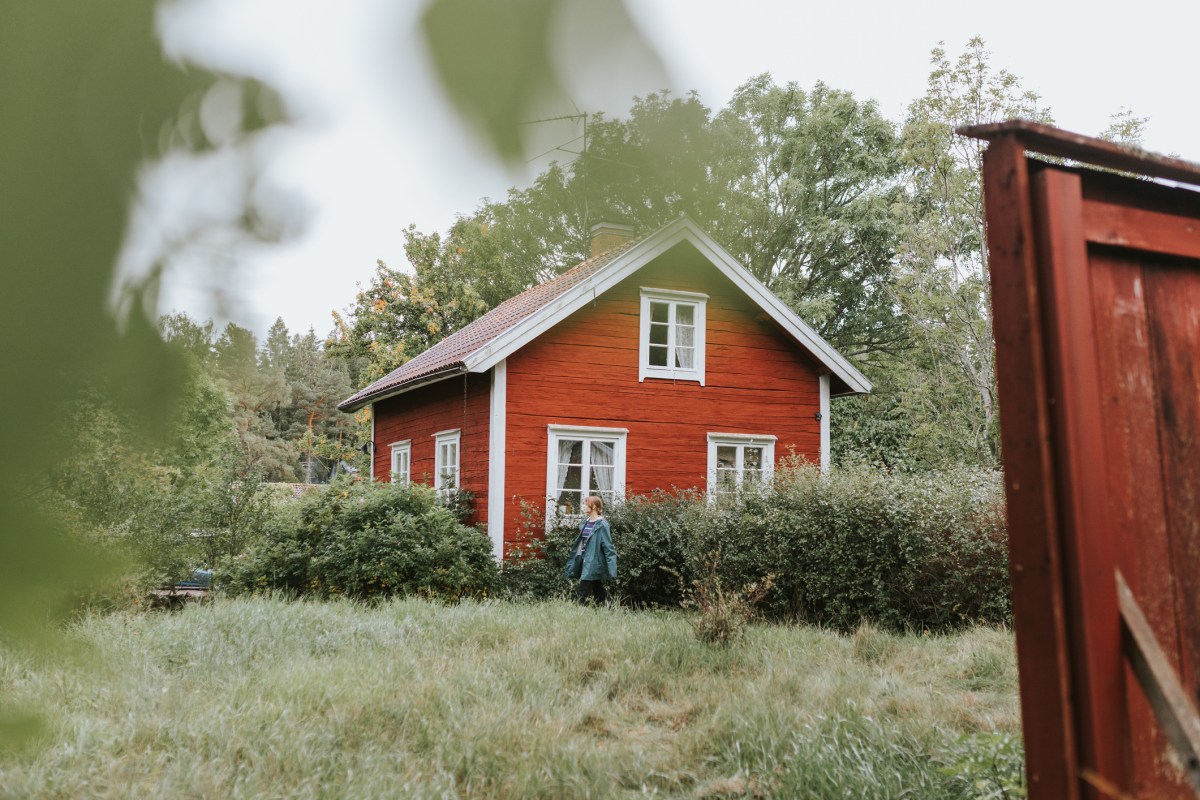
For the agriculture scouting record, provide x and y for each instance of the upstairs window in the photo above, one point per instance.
(737, 461)
(446, 467)
(402, 462)
(672, 335)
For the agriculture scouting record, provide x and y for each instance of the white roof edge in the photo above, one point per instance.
(634, 259)
(752, 286)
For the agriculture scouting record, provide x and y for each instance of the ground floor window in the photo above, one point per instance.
(583, 461)
(739, 460)
(446, 461)
(402, 462)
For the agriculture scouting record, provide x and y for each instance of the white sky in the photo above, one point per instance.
(377, 149)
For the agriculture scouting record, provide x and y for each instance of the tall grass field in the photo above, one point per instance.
(262, 698)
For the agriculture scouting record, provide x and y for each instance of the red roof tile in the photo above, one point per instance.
(448, 354)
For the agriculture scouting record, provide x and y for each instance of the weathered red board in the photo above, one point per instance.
(1096, 299)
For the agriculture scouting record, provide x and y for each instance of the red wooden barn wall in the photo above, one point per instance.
(462, 402)
(585, 372)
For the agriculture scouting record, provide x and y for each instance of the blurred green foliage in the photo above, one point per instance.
(502, 64)
(88, 99)
(89, 103)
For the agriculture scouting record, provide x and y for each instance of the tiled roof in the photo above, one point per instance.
(448, 354)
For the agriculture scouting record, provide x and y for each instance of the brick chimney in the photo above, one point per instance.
(607, 235)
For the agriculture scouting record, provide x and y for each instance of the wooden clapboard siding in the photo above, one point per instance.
(584, 371)
(460, 402)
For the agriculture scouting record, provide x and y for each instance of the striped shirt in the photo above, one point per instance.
(588, 527)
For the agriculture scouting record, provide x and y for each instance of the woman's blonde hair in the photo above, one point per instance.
(593, 500)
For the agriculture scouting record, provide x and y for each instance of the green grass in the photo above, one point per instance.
(264, 698)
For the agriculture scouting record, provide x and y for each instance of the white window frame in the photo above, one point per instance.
(741, 441)
(401, 456)
(615, 436)
(440, 467)
(698, 302)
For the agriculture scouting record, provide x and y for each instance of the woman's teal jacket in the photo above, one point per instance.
(599, 561)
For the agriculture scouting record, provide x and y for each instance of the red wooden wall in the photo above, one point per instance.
(462, 402)
(585, 372)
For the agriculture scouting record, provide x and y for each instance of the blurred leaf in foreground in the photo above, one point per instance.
(503, 64)
(88, 98)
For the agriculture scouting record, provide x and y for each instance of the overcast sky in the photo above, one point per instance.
(375, 148)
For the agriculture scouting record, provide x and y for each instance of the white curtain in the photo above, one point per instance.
(602, 457)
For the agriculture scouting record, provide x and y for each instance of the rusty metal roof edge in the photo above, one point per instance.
(1048, 140)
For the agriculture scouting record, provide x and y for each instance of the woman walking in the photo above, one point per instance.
(593, 558)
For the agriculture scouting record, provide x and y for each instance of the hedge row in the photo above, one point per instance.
(904, 551)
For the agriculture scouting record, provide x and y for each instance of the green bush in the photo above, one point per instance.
(365, 540)
(925, 551)
(651, 535)
(903, 551)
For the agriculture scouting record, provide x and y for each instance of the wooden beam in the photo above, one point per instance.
(1167, 696)
(1125, 226)
(1051, 141)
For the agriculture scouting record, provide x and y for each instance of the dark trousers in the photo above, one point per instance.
(593, 590)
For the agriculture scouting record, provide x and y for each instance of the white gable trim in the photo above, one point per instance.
(497, 435)
(634, 259)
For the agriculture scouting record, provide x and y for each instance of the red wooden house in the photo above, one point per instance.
(658, 363)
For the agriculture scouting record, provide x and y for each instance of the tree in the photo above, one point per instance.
(808, 207)
(943, 283)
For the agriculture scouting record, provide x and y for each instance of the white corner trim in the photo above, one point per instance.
(497, 447)
(372, 458)
(825, 447)
(634, 259)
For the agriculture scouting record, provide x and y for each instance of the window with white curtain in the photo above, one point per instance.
(446, 461)
(672, 335)
(583, 461)
(402, 462)
(738, 460)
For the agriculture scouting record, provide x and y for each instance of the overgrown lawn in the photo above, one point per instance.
(265, 698)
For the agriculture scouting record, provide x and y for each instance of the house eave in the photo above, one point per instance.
(408, 386)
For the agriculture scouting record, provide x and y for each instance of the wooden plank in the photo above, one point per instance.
(1167, 696)
(1039, 610)
(1136, 506)
(1052, 141)
(1088, 544)
(1121, 225)
(1173, 300)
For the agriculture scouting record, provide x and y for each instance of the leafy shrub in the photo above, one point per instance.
(533, 566)
(651, 535)
(924, 551)
(723, 613)
(365, 540)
